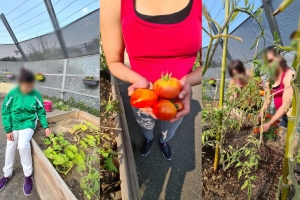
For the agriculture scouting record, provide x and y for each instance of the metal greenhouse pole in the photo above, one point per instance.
(271, 20)
(56, 27)
(12, 35)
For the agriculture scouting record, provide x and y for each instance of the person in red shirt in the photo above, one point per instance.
(159, 37)
(281, 89)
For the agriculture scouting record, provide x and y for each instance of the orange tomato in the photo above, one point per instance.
(256, 130)
(179, 105)
(167, 87)
(143, 98)
(164, 110)
(262, 93)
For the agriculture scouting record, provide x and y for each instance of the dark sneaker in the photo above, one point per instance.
(166, 150)
(3, 182)
(28, 185)
(146, 147)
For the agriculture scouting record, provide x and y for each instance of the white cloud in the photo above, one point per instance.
(85, 10)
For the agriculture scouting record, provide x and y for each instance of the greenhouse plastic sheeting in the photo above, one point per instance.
(249, 30)
(81, 38)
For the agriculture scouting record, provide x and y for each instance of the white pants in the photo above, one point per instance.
(22, 140)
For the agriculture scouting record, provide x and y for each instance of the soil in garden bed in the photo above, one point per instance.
(72, 179)
(226, 185)
(109, 181)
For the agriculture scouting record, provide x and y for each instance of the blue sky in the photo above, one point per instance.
(216, 10)
(29, 18)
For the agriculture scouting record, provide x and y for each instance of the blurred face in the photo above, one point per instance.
(26, 87)
(273, 63)
(238, 78)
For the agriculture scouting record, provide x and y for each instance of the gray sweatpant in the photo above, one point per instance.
(147, 123)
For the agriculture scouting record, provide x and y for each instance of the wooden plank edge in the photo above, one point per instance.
(63, 186)
(129, 181)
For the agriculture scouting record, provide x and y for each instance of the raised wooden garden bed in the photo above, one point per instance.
(49, 183)
(127, 176)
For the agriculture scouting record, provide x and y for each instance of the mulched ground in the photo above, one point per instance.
(226, 186)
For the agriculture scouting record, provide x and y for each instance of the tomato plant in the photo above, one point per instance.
(143, 98)
(167, 87)
(164, 110)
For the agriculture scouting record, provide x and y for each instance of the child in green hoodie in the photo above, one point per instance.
(21, 109)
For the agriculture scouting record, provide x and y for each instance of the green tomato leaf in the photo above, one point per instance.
(109, 165)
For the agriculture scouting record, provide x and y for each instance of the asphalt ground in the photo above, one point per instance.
(180, 178)
(14, 188)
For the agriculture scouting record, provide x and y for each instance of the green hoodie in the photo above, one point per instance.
(21, 111)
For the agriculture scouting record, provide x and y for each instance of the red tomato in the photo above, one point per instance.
(164, 110)
(256, 130)
(167, 87)
(179, 105)
(143, 98)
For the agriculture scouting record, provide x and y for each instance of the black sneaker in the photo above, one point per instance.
(166, 150)
(146, 147)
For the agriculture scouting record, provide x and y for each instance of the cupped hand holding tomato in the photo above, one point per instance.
(185, 98)
(142, 83)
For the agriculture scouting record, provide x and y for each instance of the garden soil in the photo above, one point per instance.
(227, 186)
(72, 179)
(109, 181)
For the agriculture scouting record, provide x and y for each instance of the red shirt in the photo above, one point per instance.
(154, 49)
(278, 92)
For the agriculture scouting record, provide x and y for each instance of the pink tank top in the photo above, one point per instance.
(154, 49)
(279, 90)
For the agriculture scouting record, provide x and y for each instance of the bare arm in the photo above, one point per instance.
(112, 40)
(286, 97)
(194, 78)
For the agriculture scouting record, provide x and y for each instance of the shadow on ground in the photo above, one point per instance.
(179, 178)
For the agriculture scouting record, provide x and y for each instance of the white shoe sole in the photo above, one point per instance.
(146, 154)
(165, 156)
(30, 192)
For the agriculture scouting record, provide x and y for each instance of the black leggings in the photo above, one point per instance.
(284, 121)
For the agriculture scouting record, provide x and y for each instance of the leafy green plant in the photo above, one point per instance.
(89, 78)
(111, 107)
(90, 183)
(103, 63)
(71, 103)
(62, 154)
(246, 158)
(61, 106)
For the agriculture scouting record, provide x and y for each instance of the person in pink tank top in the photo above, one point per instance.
(159, 37)
(281, 90)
